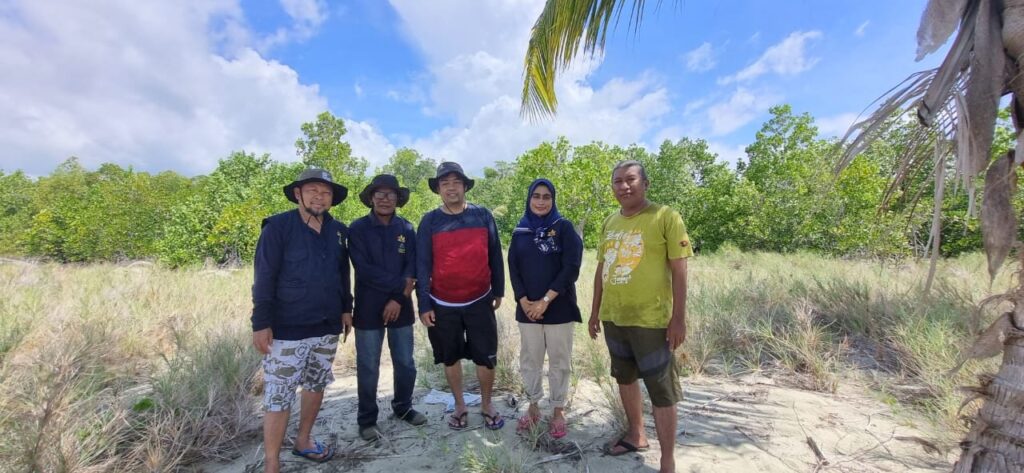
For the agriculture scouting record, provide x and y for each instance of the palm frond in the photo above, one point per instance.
(556, 39)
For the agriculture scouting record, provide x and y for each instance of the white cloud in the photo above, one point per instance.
(306, 15)
(835, 125)
(368, 142)
(474, 79)
(786, 58)
(701, 59)
(694, 105)
(357, 89)
(727, 152)
(739, 109)
(620, 112)
(311, 12)
(142, 84)
(859, 32)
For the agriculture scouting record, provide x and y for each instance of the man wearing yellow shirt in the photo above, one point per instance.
(640, 303)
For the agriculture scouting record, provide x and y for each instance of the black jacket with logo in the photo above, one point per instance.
(301, 277)
(383, 257)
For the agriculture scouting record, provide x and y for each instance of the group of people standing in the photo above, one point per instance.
(303, 304)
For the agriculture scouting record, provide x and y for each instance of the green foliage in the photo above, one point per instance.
(323, 147)
(221, 220)
(412, 171)
(782, 197)
(107, 215)
(16, 192)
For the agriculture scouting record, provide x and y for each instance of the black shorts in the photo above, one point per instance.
(469, 332)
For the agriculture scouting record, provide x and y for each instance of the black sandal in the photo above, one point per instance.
(458, 422)
(629, 448)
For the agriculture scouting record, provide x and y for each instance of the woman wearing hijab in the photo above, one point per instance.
(544, 260)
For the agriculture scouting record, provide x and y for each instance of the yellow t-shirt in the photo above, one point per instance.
(637, 280)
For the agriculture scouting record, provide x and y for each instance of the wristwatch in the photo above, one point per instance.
(545, 298)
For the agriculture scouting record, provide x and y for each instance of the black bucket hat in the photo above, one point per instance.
(445, 169)
(317, 175)
(384, 180)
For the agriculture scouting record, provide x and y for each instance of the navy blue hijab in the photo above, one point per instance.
(539, 227)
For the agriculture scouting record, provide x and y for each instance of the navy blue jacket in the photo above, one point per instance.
(301, 277)
(383, 257)
(533, 273)
(458, 257)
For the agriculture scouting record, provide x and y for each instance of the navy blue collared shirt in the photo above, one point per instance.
(534, 273)
(301, 277)
(384, 256)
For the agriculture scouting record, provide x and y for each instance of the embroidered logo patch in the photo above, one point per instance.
(401, 244)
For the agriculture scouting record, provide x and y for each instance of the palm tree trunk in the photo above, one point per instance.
(996, 441)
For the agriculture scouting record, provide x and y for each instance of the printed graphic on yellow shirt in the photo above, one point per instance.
(622, 254)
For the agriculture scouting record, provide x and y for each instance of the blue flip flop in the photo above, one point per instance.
(322, 453)
(493, 422)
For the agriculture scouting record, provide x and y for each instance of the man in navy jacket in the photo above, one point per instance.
(383, 250)
(301, 300)
(461, 280)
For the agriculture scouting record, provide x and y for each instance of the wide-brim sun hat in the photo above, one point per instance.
(445, 169)
(384, 180)
(317, 175)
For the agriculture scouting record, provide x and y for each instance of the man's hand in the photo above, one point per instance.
(261, 339)
(594, 326)
(391, 310)
(410, 284)
(676, 333)
(496, 303)
(346, 324)
(427, 318)
(537, 309)
(527, 306)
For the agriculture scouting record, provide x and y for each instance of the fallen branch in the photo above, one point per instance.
(817, 452)
(810, 441)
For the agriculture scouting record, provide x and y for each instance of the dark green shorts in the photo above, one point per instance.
(638, 352)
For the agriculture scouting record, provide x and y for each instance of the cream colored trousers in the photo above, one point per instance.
(534, 341)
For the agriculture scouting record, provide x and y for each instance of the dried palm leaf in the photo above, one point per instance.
(985, 84)
(936, 237)
(998, 219)
(989, 343)
(950, 72)
(939, 20)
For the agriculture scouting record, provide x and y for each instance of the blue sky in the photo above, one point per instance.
(179, 85)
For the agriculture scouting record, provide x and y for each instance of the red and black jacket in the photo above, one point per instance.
(458, 257)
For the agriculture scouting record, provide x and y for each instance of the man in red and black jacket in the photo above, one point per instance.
(461, 280)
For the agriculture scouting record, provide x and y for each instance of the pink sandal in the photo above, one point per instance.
(557, 428)
(527, 422)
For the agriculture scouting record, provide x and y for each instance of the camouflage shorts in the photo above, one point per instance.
(293, 362)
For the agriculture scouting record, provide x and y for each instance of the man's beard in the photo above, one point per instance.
(315, 213)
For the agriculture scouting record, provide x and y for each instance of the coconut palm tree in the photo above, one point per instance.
(956, 104)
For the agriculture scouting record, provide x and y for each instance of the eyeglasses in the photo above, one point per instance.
(388, 195)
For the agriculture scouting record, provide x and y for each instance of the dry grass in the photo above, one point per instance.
(140, 368)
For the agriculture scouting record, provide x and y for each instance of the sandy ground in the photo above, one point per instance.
(746, 424)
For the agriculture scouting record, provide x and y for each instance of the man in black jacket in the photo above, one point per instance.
(383, 250)
(301, 300)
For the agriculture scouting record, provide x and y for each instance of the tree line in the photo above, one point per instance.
(782, 196)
